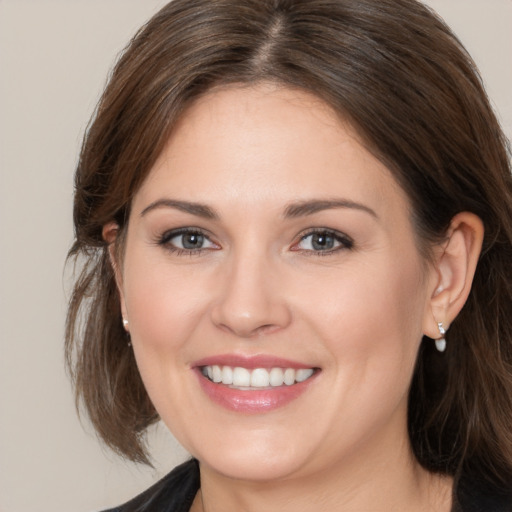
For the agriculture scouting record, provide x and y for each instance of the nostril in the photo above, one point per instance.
(267, 329)
(248, 332)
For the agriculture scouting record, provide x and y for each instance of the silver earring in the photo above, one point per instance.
(441, 342)
(125, 325)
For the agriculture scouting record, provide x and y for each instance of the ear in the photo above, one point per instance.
(110, 232)
(454, 269)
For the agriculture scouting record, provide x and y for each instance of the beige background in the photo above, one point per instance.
(54, 57)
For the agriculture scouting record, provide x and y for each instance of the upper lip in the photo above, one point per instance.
(250, 362)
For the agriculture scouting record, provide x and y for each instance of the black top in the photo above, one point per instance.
(176, 492)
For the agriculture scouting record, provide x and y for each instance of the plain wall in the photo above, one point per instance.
(54, 58)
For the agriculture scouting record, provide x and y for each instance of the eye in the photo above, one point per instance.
(187, 241)
(326, 241)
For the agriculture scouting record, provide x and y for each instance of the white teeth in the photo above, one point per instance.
(276, 377)
(241, 377)
(289, 376)
(303, 374)
(258, 378)
(217, 374)
(227, 375)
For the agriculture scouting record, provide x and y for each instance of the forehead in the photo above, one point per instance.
(267, 144)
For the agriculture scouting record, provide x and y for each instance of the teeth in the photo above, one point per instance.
(227, 375)
(260, 378)
(239, 377)
(217, 374)
(303, 374)
(289, 376)
(276, 377)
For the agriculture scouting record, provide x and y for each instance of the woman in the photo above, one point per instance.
(295, 223)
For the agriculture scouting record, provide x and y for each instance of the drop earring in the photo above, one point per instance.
(441, 342)
(125, 325)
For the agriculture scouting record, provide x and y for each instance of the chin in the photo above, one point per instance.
(266, 454)
(240, 465)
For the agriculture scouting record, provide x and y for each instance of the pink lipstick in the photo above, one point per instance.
(254, 384)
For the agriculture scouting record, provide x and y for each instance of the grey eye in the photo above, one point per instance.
(324, 241)
(190, 241)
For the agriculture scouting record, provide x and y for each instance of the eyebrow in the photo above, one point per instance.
(198, 209)
(294, 210)
(309, 207)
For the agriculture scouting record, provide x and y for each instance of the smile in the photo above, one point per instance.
(255, 379)
(253, 385)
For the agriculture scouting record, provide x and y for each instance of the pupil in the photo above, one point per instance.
(192, 241)
(321, 242)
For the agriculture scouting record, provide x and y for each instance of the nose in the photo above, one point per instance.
(252, 298)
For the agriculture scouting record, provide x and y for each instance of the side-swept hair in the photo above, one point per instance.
(395, 71)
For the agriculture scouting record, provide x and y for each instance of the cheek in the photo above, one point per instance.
(164, 312)
(163, 308)
(377, 330)
(371, 319)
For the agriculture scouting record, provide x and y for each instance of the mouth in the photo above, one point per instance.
(247, 379)
(253, 385)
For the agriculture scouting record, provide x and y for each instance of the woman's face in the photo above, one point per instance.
(270, 252)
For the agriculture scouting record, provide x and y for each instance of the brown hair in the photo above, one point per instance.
(399, 75)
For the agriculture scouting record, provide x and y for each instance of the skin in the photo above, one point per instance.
(258, 286)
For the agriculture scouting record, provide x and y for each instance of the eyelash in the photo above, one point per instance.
(165, 240)
(343, 240)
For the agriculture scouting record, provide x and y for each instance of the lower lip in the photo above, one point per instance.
(252, 401)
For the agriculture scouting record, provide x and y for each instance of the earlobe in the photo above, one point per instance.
(455, 266)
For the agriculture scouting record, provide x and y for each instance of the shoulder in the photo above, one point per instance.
(173, 493)
(476, 495)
